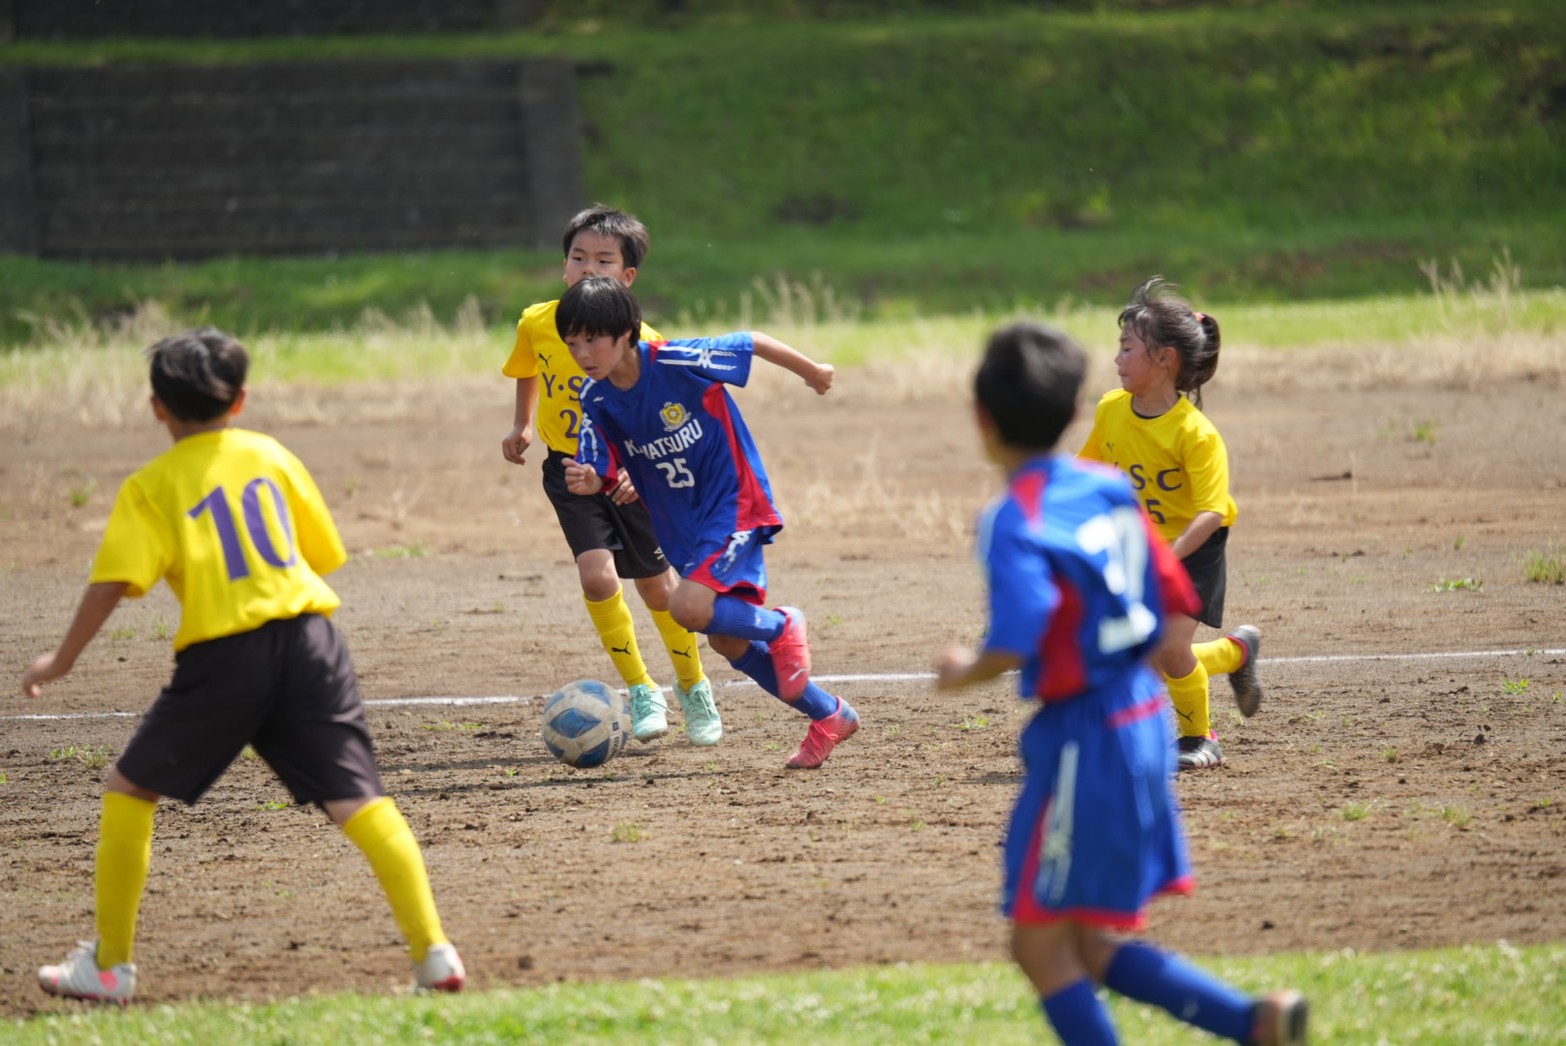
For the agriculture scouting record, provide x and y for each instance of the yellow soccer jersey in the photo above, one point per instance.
(540, 352)
(236, 526)
(1177, 461)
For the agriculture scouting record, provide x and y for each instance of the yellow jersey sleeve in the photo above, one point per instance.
(539, 352)
(236, 526)
(1093, 446)
(1207, 469)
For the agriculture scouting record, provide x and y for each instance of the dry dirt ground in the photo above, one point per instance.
(1403, 786)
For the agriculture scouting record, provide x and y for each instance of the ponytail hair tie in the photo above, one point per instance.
(1200, 316)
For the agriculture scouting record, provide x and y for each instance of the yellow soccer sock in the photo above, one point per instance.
(1188, 694)
(1220, 656)
(684, 650)
(124, 855)
(617, 631)
(381, 834)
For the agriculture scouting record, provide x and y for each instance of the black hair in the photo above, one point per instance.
(1158, 313)
(1028, 383)
(199, 374)
(598, 305)
(608, 221)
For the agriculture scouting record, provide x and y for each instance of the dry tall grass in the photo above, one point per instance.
(387, 369)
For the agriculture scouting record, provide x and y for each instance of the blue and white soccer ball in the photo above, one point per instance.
(586, 723)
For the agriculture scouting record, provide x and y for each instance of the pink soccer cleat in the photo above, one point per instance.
(823, 736)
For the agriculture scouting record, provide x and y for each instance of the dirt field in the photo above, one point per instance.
(1386, 797)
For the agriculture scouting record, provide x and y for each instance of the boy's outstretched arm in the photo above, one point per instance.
(98, 602)
(817, 375)
(960, 666)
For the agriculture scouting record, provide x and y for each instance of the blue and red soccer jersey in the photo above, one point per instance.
(682, 439)
(1080, 583)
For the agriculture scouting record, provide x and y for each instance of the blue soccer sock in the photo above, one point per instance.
(732, 616)
(1144, 973)
(1078, 1017)
(756, 662)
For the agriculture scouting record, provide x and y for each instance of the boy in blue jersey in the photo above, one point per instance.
(1080, 584)
(659, 411)
(237, 527)
(609, 536)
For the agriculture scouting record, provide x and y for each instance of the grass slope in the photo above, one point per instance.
(934, 163)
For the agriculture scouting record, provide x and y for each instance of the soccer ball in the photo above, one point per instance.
(586, 723)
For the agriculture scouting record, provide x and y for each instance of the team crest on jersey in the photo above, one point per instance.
(674, 415)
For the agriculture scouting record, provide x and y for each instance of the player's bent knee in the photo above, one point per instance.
(731, 648)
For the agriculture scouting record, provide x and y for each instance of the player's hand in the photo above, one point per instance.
(515, 445)
(821, 380)
(952, 665)
(624, 492)
(45, 670)
(582, 479)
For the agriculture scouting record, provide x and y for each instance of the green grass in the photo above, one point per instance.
(937, 163)
(1459, 996)
(1546, 565)
(92, 757)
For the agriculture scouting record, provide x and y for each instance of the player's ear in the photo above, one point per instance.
(989, 434)
(985, 423)
(159, 411)
(239, 403)
(628, 275)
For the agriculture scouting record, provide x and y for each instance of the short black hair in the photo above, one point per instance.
(608, 221)
(199, 374)
(1028, 383)
(599, 305)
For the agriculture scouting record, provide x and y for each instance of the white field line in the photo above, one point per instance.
(868, 677)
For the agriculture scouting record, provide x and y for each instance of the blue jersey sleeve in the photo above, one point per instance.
(725, 358)
(1022, 589)
(592, 446)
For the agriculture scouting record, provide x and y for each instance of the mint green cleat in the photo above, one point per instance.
(649, 713)
(702, 724)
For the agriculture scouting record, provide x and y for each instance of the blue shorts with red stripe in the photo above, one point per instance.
(1096, 830)
(733, 564)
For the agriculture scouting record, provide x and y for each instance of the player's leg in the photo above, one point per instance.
(734, 568)
(1234, 655)
(703, 726)
(679, 641)
(378, 829)
(101, 970)
(1188, 693)
(123, 860)
(725, 617)
(616, 629)
(1150, 975)
(317, 739)
(1047, 954)
(639, 556)
(592, 531)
